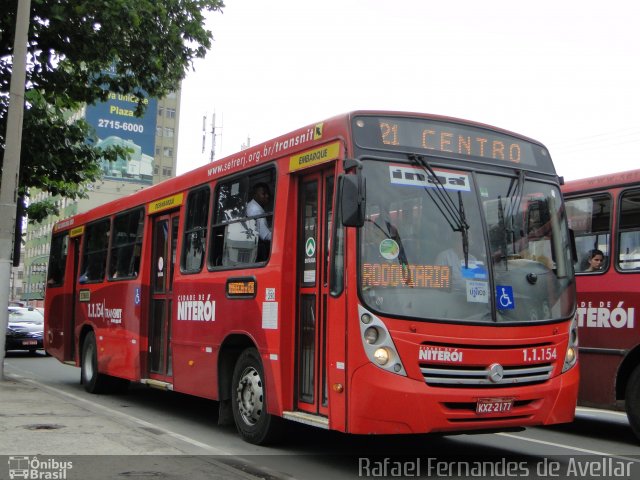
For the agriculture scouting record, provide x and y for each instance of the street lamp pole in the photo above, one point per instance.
(11, 163)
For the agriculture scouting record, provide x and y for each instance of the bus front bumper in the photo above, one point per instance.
(383, 403)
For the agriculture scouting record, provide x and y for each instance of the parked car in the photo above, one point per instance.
(25, 329)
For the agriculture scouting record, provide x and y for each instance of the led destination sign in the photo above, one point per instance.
(241, 288)
(451, 139)
(406, 276)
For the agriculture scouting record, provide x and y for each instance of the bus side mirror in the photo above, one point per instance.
(352, 200)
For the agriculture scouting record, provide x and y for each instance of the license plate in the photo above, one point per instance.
(494, 406)
(29, 342)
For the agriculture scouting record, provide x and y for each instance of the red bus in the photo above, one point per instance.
(604, 213)
(374, 273)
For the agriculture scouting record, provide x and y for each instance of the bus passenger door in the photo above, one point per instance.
(165, 236)
(74, 247)
(61, 297)
(315, 202)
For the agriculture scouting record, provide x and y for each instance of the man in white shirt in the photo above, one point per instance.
(256, 206)
(454, 258)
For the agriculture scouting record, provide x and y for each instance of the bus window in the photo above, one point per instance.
(528, 235)
(590, 220)
(126, 245)
(94, 258)
(195, 231)
(57, 260)
(629, 227)
(336, 277)
(241, 231)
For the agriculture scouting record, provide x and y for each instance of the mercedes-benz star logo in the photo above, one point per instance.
(496, 373)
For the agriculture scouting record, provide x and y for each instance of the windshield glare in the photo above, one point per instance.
(424, 252)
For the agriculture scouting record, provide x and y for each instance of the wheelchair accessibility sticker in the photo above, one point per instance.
(504, 297)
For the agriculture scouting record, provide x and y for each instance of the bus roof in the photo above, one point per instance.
(611, 180)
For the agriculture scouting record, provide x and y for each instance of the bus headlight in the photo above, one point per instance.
(371, 335)
(381, 356)
(571, 356)
(378, 344)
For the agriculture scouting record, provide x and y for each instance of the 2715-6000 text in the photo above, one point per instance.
(126, 126)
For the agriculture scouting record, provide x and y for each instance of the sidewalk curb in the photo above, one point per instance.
(39, 420)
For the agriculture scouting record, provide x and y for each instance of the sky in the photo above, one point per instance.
(563, 72)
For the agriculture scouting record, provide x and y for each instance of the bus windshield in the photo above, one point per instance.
(454, 245)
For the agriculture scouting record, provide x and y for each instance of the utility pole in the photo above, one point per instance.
(11, 164)
(213, 137)
(204, 132)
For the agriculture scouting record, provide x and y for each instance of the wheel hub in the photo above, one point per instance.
(249, 396)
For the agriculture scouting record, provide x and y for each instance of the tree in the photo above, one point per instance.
(79, 51)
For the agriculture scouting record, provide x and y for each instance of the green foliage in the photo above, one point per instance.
(79, 50)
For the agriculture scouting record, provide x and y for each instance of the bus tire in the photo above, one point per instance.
(90, 377)
(632, 401)
(249, 402)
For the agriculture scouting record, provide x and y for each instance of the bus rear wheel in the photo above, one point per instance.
(632, 401)
(249, 404)
(90, 377)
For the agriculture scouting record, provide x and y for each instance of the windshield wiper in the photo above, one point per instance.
(514, 205)
(464, 229)
(452, 213)
(505, 233)
(513, 199)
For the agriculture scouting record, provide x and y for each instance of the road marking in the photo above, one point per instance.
(600, 411)
(569, 447)
(130, 418)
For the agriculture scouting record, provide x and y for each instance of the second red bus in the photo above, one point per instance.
(604, 213)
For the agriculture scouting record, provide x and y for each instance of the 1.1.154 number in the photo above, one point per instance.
(540, 354)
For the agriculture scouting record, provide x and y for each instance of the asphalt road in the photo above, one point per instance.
(590, 447)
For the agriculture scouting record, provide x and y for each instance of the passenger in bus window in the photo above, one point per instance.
(596, 260)
(256, 207)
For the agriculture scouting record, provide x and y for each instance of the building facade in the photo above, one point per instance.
(29, 278)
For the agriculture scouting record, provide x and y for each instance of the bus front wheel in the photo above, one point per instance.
(632, 401)
(249, 404)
